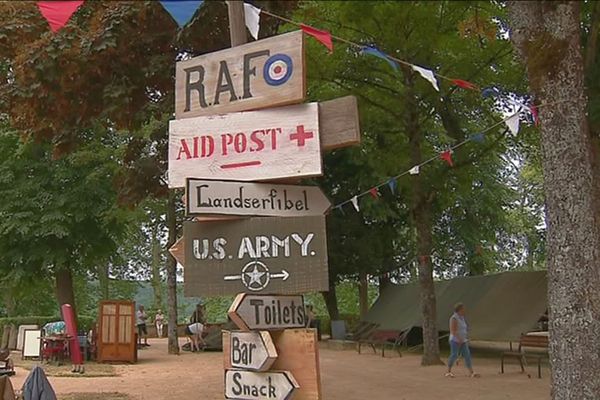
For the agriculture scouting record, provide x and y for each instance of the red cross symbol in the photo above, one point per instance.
(301, 135)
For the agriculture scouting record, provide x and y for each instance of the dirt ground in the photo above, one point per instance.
(345, 375)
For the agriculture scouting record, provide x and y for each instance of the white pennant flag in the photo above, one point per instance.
(252, 17)
(513, 124)
(354, 201)
(428, 75)
(414, 170)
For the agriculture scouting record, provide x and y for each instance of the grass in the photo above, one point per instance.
(92, 370)
(95, 396)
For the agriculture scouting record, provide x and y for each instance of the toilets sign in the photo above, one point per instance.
(265, 73)
(255, 255)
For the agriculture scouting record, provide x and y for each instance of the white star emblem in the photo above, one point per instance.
(255, 275)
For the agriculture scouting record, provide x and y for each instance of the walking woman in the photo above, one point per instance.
(459, 341)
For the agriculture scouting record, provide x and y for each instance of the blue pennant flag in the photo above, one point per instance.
(490, 92)
(182, 11)
(392, 184)
(378, 53)
(478, 137)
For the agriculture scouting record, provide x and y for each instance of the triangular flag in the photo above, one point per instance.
(464, 84)
(447, 156)
(392, 183)
(182, 11)
(340, 209)
(374, 192)
(252, 17)
(414, 170)
(513, 124)
(322, 36)
(478, 137)
(378, 53)
(428, 75)
(58, 13)
(354, 202)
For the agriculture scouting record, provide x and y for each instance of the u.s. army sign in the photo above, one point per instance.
(255, 255)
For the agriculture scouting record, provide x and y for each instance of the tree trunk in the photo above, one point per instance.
(547, 36)
(156, 260)
(422, 219)
(363, 294)
(384, 282)
(103, 278)
(64, 288)
(10, 304)
(172, 276)
(331, 303)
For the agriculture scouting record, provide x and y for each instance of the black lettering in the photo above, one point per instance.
(286, 315)
(235, 350)
(247, 203)
(237, 386)
(251, 71)
(272, 393)
(227, 203)
(197, 86)
(256, 303)
(199, 193)
(228, 87)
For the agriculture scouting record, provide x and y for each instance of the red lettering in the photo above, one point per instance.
(240, 143)
(184, 149)
(274, 138)
(256, 140)
(208, 146)
(196, 146)
(226, 140)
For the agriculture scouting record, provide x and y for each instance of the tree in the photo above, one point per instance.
(547, 36)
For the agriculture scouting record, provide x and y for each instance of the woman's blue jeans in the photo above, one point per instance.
(459, 349)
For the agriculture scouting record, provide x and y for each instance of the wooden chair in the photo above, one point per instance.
(527, 341)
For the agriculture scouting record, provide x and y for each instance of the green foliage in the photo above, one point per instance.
(84, 322)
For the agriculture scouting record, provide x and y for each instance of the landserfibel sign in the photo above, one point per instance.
(261, 74)
(246, 146)
(248, 385)
(258, 199)
(255, 255)
(252, 311)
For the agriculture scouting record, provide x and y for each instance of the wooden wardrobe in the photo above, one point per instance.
(116, 332)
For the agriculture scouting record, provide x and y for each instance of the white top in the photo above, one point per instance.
(196, 328)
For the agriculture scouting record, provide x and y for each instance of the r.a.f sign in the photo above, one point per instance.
(261, 74)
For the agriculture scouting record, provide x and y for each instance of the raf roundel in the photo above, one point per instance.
(278, 69)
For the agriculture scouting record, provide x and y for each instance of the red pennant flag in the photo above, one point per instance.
(322, 36)
(374, 192)
(534, 113)
(464, 84)
(447, 156)
(58, 13)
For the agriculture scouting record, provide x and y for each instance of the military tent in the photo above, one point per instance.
(499, 306)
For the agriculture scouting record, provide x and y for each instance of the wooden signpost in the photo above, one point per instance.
(266, 144)
(253, 199)
(276, 255)
(248, 385)
(265, 73)
(254, 351)
(250, 312)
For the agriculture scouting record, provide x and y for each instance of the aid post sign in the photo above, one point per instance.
(265, 73)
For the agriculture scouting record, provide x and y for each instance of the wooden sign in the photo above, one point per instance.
(246, 146)
(252, 255)
(248, 385)
(264, 73)
(298, 353)
(252, 350)
(177, 251)
(261, 199)
(253, 311)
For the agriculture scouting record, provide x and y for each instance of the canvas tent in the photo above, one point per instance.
(500, 306)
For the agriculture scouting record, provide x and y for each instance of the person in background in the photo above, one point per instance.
(159, 321)
(194, 333)
(199, 315)
(140, 321)
(459, 341)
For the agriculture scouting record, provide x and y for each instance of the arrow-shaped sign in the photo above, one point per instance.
(252, 350)
(251, 312)
(283, 275)
(260, 199)
(178, 251)
(248, 385)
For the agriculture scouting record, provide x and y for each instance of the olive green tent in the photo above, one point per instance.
(499, 307)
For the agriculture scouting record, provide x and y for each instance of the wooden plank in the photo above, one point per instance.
(253, 199)
(338, 123)
(248, 385)
(251, 311)
(252, 351)
(261, 74)
(178, 251)
(298, 352)
(255, 255)
(246, 146)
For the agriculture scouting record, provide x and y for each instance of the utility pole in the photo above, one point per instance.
(237, 24)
